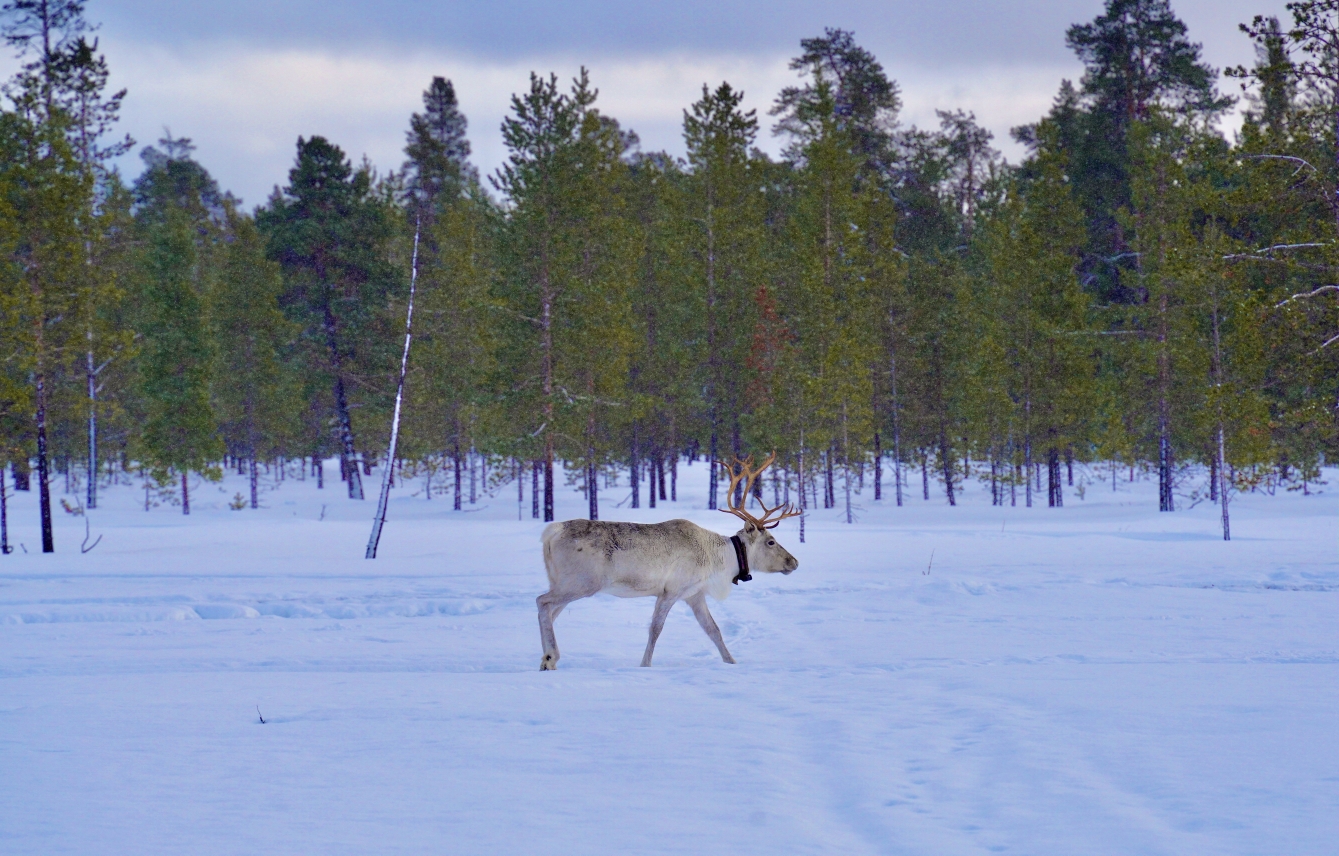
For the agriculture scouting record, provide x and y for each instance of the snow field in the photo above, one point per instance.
(1095, 679)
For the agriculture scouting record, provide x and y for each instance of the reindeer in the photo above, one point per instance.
(671, 561)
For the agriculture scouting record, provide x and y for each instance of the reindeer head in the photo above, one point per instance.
(764, 553)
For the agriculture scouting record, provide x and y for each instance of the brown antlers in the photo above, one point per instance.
(748, 475)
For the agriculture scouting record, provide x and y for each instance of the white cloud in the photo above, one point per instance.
(245, 108)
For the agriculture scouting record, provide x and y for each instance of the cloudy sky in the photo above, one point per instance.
(244, 79)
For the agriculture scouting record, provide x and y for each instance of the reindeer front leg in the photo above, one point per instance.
(663, 604)
(699, 604)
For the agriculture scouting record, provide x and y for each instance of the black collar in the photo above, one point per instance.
(743, 558)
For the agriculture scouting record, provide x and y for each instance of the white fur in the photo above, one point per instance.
(671, 561)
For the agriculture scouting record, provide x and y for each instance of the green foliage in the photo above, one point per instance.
(179, 428)
(255, 391)
(1136, 290)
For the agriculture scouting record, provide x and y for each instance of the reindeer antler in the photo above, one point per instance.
(749, 475)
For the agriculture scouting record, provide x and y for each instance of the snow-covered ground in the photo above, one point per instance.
(1100, 678)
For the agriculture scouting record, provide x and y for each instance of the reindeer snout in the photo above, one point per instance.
(791, 564)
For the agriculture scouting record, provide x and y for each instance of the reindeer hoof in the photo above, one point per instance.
(549, 663)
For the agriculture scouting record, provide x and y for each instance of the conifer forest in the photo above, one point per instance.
(894, 310)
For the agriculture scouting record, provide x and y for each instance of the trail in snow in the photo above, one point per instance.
(1099, 679)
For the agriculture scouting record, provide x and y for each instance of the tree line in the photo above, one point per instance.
(886, 306)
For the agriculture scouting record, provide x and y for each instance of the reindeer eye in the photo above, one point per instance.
(771, 543)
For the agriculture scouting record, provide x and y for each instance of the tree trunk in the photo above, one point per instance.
(897, 416)
(946, 463)
(634, 470)
(674, 477)
(4, 516)
(649, 469)
(43, 488)
(829, 491)
(1225, 486)
(878, 468)
(318, 464)
(996, 498)
(799, 484)
(1055, 497)
(455, 459)
(738, 447)
(254, 473)
(592, 485)
(711, 469)
(472, 457)
(548, 477)
(92, 493)
(21, 474)
(1013, 482)
(660, 472)
(185, 492)
(1166, 501)
(925, 475)
(349, 453)
(535, 467)
(1027, 470)
(1220, 459)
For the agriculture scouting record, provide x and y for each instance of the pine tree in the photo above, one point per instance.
(725, 248)
(1035, 315)
(864, 102)
(438, 171)
(177, 203)
(328, 231)
(830, 301)
(49, 187)
(254, 392)
(451, 405)
(1137, 57)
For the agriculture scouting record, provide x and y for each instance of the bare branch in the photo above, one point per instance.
(1298, 160)
(1291, 247)
(1306, 294)
(1106, 333)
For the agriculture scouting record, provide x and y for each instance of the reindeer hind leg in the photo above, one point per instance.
(549, 607)
(663, 605)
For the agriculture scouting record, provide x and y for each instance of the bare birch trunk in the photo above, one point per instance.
(92, 492)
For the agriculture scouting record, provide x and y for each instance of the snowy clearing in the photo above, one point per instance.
(1095, 679)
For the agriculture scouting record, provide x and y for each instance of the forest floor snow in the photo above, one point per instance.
(1100, 678)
